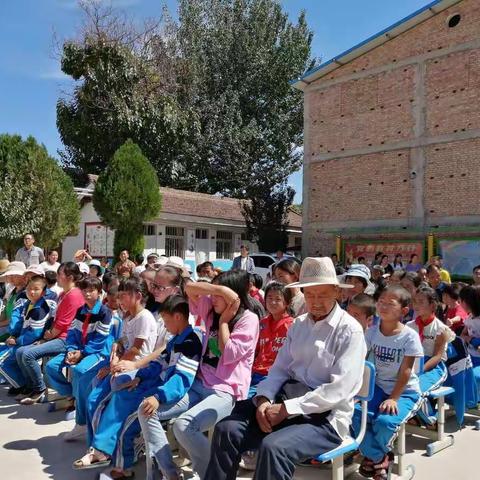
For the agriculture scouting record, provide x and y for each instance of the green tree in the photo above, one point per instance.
(266, 216)
(238, 57)
(120, 89)
(127, 194)
(35, 195)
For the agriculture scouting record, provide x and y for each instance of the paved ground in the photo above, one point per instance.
(32, 449)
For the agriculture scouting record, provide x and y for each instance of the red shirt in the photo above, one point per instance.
(273, 334)
(68, 304)
(255, 293)
(457, 311)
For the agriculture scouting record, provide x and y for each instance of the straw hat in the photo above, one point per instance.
(35, 269)
(4, 263)
(14, 268)
(318, 271)
(176, 262)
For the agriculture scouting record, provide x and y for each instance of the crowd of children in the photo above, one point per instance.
(131, 352)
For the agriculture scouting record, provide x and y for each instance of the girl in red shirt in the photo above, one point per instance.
(273, 332)
(454, 312)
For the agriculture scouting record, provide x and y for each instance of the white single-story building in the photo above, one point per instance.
(193, 226)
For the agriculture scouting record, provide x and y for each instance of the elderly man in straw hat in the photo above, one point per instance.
(305, 405)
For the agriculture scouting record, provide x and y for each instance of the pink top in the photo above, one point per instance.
(231, 371)
(68, 304)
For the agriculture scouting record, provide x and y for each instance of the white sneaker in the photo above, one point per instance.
(77, 432)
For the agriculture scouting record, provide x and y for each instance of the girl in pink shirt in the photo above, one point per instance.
(225, 369)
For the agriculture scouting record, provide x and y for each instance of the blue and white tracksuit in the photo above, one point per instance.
(92, 334)
(115, 423)
(16, 319)
(34, 318)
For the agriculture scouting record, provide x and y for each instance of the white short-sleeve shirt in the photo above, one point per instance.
(388, 354)
(142, 326)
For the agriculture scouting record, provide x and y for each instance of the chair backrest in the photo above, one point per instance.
(368, 384)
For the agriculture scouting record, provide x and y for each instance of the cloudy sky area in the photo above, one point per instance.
(31, 80)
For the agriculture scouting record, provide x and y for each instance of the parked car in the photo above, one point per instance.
(263, 263)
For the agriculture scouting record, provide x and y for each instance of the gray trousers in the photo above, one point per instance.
(292, 441)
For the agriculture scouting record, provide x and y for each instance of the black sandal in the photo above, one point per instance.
(366, 468)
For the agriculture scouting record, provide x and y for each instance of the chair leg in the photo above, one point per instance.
(404, 472)
(443, 441)
(337, 468)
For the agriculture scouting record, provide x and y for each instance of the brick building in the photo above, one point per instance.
(392, 133)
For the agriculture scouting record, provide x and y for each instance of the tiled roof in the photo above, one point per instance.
(183, 202)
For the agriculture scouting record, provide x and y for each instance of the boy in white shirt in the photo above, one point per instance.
(397, 397)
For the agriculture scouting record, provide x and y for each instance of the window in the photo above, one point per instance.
(149, 230)
(174, 241)
(201, 233)
(244, 237)
(298, 241)
(224, 245)
(454, 20)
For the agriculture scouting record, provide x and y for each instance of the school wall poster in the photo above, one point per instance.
(368, 249)
(460, 256)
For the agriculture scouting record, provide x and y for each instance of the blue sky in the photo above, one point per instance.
(31, 80)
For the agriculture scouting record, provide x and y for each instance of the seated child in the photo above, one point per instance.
(165, 380)
(470, 301)
(138, 340)
(455, 315)
(15, 302)
(36, 313)
(397, 397)
(88, 343)
(410, 281)
(435, 336)
(273, 332)
(51, 278)
(362, 308)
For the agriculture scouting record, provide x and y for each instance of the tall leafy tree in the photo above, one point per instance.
(127, 194)
(206, 96)
(35, 195)
(266, 215)
(122, 91)
(238, 57)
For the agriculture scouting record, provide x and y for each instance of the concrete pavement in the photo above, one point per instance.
(32, 448)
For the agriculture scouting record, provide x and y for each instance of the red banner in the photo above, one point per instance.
(368, 250)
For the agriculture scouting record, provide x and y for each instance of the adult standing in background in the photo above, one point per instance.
(29, 254)
(244, 261)
(124, 268)
(51, 263)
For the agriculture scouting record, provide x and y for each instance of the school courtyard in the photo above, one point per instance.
(32, 448)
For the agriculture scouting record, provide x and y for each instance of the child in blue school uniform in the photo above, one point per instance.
(435, 337)
(36, 312)
(88, 344)
(393, 348)
(164, 381)
(139, 335)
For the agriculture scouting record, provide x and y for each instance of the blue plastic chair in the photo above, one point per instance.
(351, 444)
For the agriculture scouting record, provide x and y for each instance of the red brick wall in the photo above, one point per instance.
(452, 179)
(427, 37)
(362, 133)
(366, 187)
